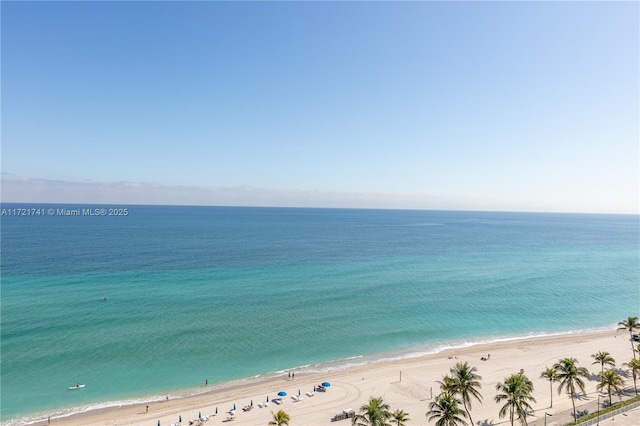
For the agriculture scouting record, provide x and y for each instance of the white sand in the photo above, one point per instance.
(353, 387)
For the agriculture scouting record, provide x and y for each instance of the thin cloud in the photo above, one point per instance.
(22, 189)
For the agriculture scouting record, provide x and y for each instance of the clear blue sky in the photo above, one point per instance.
(482, 105)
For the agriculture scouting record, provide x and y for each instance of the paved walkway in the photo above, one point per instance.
(630, 418)
(589, 406)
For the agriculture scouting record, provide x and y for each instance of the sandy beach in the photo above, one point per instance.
(408, 384)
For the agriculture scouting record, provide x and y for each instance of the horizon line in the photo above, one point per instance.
(57, 203)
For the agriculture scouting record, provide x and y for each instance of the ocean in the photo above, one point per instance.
(226, 293)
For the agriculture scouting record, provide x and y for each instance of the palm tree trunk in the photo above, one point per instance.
(511, 416)
(633, 351)
(468, 413)
(551, 390)
(573, 401)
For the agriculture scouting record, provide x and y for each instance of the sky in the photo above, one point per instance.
(517, 106)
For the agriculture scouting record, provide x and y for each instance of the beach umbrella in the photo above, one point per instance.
(251, 403)
(234, 406)
(326, 384)
(282, 393)
(158, 422)
(267, 398)
(199, 415)
(179, 419)
(216, 410)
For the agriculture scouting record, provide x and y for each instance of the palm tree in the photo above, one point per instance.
(630, 324)
(446, 409)
(466, 384)
(400, 417)
(569, 376)
(280, 418)
(516, 391)
(634, 365)
(375, 413)
(551, 375)
(448, 384)
(610, 379)
(603, 358)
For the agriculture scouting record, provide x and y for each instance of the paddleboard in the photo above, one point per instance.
(76, 387)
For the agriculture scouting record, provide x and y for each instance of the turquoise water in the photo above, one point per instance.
(219, 293)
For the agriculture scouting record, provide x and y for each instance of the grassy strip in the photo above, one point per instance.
(605, 410)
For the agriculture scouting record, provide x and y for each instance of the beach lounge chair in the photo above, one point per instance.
(346, 414)
(310, 394)
(338, 417)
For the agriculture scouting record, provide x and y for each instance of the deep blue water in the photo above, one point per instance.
(223, 293)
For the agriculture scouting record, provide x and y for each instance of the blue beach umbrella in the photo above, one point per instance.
(298, 392)
(282, 393)
(158, 422)
(234, 406)
(179, 419)
(216, 410)
(267, 398)
(251, 403)
(199, 415)
(326, 384)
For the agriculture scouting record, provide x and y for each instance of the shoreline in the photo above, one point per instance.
(326, 367)
(422, 368)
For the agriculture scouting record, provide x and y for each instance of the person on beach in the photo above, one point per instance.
(49, 420)
(146, 411)
(206, 382)
(293, 375)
